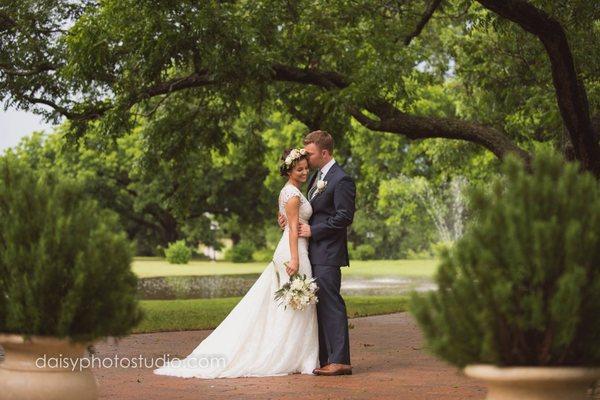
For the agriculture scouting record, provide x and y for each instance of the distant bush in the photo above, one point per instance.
(438, 247)
(264, 255)
(362, 252)
(178, 252)
(200, 256)
(241, 252)
(419, 255)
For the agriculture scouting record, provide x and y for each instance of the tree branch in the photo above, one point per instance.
(390, 118)
(420, 127)
(394, 121)
(36, 69)
(6, 22)
(94, 112)
(570, 92)
(423, 21)
(325, 79)
(196, 79)
(313, 123)
(91, 113)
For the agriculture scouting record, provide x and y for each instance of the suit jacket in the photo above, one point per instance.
(333, 212)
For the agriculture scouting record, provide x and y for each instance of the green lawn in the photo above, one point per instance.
(180, 315)
(176, 315)
(146, 267)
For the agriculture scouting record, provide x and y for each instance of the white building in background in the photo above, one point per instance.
(210, 251)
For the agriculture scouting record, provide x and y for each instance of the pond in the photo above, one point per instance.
(213, 286)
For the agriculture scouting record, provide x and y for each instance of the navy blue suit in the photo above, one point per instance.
(333, 212)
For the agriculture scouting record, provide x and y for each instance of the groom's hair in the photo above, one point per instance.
(322, 139)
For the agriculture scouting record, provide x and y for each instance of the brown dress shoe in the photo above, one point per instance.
(315, 371)
(334, 369)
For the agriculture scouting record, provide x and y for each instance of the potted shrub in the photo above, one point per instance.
(518, 303)
(65, 281)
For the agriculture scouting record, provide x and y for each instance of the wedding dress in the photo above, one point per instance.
(259, 337)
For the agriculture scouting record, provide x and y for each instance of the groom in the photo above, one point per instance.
(331, 193)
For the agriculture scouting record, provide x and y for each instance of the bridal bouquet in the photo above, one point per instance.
(298, 293)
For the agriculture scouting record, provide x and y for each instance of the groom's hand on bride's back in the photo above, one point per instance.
(304, 230)
(281, 220)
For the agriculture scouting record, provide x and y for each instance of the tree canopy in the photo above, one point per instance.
(502, 74)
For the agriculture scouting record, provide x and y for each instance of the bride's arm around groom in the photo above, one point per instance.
(292, 210)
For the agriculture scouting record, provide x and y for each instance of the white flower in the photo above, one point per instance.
(298, 292)
(297, 284)
(321, 184)
(288, 297)
(294, 155)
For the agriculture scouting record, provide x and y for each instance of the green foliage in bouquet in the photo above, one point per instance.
(522, 286)
(178, 253)
(64, 261)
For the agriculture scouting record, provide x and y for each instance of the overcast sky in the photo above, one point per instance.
(16, 124)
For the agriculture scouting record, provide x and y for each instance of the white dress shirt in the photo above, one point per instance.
(326, 168)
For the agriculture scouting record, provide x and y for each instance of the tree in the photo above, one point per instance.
(158, 200)
(322, 61)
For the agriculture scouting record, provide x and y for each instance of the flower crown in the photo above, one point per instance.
(293, 156)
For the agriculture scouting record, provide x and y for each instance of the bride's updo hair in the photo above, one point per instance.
(283, 168)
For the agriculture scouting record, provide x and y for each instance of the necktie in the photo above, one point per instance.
(314, 187)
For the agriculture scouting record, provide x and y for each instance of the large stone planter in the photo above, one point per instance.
(535, 383)
(21, 378)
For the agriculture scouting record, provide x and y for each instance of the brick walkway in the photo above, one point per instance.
(386, 351)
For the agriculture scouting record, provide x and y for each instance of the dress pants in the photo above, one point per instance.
(334, 342)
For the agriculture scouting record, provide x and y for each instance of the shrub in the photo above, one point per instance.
(522, 286)
(418, 254)
(432, 251)
(264, 255)
(437, 247)
(363, 252)
(64, 261)
(200, 256)
(178, 252)
(241, 252)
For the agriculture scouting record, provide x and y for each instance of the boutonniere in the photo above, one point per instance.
(321, 185)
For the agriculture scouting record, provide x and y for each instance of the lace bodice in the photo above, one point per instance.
(287, 192)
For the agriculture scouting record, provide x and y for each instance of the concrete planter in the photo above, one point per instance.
(535, 383)
(25, 375)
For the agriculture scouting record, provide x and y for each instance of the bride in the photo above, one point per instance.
(259, 337)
